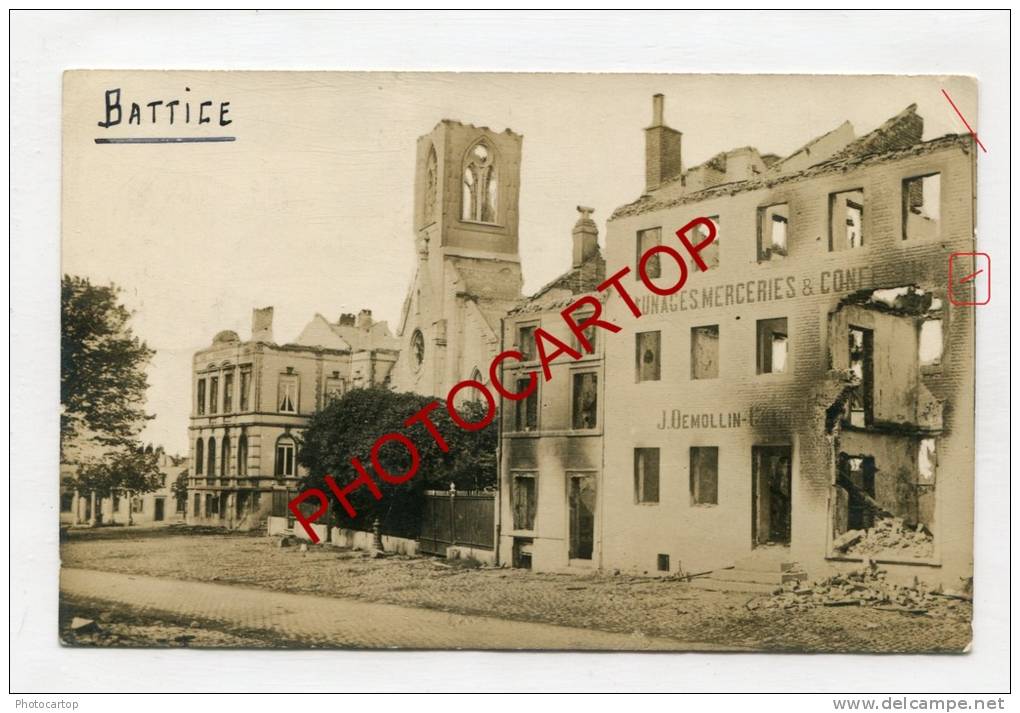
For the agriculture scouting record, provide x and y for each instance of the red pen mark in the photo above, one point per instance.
(982, 291)
(970, 277)
(972, 132)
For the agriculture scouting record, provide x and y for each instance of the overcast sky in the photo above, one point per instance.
(310, 209)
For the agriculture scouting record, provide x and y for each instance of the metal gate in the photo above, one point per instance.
(465, 518)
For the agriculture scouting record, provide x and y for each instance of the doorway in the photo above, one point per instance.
(771, 506)
(160, 505)
(582, 516)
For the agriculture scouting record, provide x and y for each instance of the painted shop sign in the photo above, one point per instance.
(754, 417)
(760, 291)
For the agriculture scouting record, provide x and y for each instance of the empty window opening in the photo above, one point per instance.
(710, 254)
(526, 341)
(922, 198)
(645, 240)
(582, 516)
(929, 347)
(524, 498)
(526, 410)
(773, 341)
(646, 475)
(926, 461)
(885, 509)
(648, 355)
(480, 185)
(662, 563)
(846, 220)
(857, 477)
(773, 221)
(859, 405)
(704, 475)
(771, 495)
(521, 557)
(585, 400)
(245, 388)
(590, 333)
(705, 352)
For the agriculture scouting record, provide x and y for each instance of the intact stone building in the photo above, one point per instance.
(251, 400)
(813, 383)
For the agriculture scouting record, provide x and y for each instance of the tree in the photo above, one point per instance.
(102, 366)
(127, 470)
(348, 427)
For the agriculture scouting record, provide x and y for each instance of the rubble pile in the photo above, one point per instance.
(863, 587)
(889, 536)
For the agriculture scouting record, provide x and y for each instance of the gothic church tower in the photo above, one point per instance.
(468, 274)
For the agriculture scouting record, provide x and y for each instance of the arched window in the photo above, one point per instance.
(431, 181)
(225, 460)
(285, 457)
(242, 455)
(199, 456)
(476, 395)
(481, 185)
(210, 467)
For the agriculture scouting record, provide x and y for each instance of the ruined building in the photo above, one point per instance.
(808, 400)
(551, 454)
(251, 399)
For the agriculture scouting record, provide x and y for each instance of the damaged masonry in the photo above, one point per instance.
(803, 407)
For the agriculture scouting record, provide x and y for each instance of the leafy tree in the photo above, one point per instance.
(102, 366)
(348, 427)
(125, 471)
(179, 488)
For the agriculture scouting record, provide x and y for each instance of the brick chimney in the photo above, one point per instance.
(586, 236)
(662, 149)
(347, 319)
(365, 319)
(262, 324)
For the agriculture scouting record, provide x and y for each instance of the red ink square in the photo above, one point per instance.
(970, 279)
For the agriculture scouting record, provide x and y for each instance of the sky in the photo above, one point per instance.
(309, 210)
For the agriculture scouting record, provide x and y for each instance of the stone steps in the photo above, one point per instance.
(762, 574)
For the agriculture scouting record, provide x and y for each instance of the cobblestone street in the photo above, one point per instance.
(446, 604)
(308, 620)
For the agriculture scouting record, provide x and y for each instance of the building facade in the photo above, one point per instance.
(551, 441)
(815, 382)
(251, 401)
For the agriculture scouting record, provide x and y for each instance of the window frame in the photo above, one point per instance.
(906, 204)
(574, 374)
(654, 263)
(638, 353)
(282, 381)
(760, 352)
(532, 475)
(493, 163)
(766, 247)
(244, 388)
(696, 483)
(718, 349)
(200, 396)
(524, 376)
(833, 198)
(285, 442)
(214, 394)
(640, 480)
(534, 325)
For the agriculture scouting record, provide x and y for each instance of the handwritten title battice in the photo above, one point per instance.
(165, 112)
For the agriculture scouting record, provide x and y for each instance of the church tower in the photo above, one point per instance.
(468, 273)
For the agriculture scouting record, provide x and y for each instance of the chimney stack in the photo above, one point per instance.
(586, 236)
(662, 149)
(262, 325)
(365, 319)
(347, 319)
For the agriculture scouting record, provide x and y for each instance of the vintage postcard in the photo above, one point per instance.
(518, 361)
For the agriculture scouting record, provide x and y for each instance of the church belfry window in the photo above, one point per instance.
(431, 179)
(417, 349)
(480, 185)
